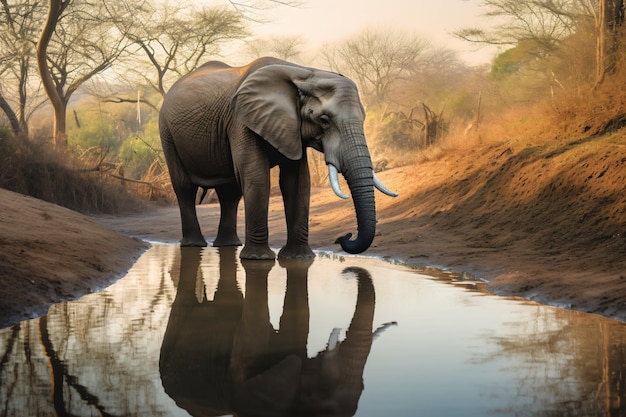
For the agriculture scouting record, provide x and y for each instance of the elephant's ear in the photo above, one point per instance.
(267, 103)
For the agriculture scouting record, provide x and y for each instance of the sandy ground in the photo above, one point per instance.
(50, 254)
(547, 223)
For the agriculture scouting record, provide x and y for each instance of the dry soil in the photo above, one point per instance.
(544, 222)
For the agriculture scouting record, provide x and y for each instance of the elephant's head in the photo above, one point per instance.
(293, 107)
(332, 382)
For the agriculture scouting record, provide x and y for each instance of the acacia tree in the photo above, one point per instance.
(539, 27)
(19, 23)
(544, 22)
(77, 43)
(375, 58)
(169, 41)
(283, 47)
(174, 40)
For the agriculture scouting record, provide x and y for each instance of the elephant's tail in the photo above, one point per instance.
(204, 191)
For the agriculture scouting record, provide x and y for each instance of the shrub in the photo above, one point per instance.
(32, 168)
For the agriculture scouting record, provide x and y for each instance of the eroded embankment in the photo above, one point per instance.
(546, 222)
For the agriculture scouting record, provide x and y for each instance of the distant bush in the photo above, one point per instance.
(32, 168)
(99, 132)
(114, 133)
(139, 151)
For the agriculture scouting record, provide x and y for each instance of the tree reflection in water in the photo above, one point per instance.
(154, 344)
(224, 356)
(92, 356)
(570, 364)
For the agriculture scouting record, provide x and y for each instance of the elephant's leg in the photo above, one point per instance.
(291, 339)
(252, 338)
(256, 203)
(185, 193)
(295, 185)
(229, 196)
(252, 169)
(192, 236)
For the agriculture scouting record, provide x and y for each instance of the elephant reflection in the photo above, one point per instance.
(224, 356)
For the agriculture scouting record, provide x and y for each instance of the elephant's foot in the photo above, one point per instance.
(250, 251)
(195, 242)
(232, 240)
(296, 252)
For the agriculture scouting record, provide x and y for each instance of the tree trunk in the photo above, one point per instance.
(431, 125)
(10, 114)
(55, 9)
(23, 95)
(608, 21)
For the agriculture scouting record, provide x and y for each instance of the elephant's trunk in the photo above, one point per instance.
(355, 349)
(356, 166)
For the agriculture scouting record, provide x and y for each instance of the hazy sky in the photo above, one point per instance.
(319, 21)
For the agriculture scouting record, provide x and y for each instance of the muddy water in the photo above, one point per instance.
(197, 332)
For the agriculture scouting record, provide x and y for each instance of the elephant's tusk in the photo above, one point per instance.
(333, 176)
(333, 339)
(382, 188)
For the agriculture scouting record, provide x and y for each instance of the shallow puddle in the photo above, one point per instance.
(197, 332)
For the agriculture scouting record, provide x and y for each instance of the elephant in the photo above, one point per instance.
(225, 127)
(223, 356)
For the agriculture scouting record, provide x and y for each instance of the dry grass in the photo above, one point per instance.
(566, 118)
(33, 169)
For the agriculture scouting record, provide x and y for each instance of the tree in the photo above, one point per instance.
(440, 80)
(288, 48)
(19, 23)
(609, 19)
(543, 22)
(540, 27)
(173, 40)
(77, 43)
(375, 58)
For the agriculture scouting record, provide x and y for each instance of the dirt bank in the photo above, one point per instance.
(545, 222)
(50, 254)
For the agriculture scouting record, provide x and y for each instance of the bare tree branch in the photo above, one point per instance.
(19, 23)
(288, 48)
(130, 100)
(175, 40)
(376, 59)
(76, 44)
(253, 10)
(544, 22)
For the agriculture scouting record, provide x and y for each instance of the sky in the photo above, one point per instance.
(320, 21)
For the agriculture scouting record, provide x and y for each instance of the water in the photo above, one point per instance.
(196, 332)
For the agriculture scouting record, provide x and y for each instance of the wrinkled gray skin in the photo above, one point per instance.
(224, 127)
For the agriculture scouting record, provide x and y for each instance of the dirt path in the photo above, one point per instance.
(546, 223)
(439, 223)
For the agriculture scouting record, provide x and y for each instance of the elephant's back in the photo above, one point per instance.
(210, 78)
(199, 100)
(195, 114)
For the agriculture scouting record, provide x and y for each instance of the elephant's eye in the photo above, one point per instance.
(325, 120)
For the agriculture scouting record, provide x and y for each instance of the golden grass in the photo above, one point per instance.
(557, 121)
(33, 169)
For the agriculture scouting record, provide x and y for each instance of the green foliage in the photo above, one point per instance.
(94, 132)
(139, 150)
(112, 132)
(505, 64)
(524, 56)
